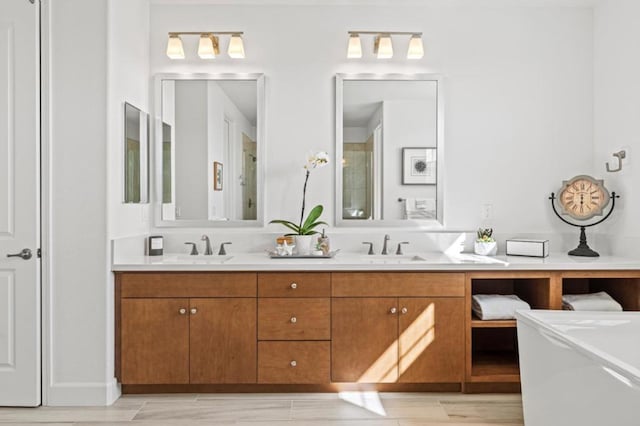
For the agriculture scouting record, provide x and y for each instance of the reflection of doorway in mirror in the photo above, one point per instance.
(249, 178)
(132, 159)
(357, 194)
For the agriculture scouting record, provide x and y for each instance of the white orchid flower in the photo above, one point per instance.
(317, 160)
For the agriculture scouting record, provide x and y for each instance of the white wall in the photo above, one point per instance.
(77, 310)
(518, 93)
(128, 81)
(98, 54)
(617, 117)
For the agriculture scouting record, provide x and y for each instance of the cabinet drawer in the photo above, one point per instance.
(188, 284)
(293, 362)
(294, 284)
(398, 284)
(294, 319)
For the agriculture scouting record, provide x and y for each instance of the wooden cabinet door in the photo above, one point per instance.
(431, 340)
(155, 341)
(364, 345)
(223, 340)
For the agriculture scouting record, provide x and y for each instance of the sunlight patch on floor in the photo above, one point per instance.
(369, 400)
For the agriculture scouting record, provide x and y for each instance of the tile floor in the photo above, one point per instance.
(345, 409)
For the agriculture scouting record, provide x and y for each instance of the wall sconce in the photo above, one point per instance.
(383, 46)
(208, 46)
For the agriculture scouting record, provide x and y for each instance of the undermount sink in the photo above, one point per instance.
(392, 258)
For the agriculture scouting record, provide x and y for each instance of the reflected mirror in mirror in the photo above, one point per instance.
(136, 155)
(388, 145)
(210, 150)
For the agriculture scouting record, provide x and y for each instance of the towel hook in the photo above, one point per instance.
(619, 155)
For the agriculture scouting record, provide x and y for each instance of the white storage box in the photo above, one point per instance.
(579, 368)
(531, 248)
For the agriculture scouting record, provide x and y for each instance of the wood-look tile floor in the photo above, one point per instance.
(346, 409)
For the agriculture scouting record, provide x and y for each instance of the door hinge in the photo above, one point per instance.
(39, 253)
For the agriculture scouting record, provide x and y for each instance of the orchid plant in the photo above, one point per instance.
(307, 227)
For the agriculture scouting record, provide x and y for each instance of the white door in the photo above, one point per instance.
(19, 204)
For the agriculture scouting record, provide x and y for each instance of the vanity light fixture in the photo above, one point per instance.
(354, 50)
(383, 46)
(208, 46)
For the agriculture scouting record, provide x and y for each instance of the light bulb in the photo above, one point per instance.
(207, 46)
(355, 48)
(416, 50)
(174, 47)
(236, 47)
(385, 48)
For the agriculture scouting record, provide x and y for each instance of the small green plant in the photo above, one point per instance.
(485, 235)
(306, 227)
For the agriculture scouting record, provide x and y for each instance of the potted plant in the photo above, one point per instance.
(304, 232)
(485, 244)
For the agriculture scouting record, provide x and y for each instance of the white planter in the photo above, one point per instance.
(305, 244)
(485, 249)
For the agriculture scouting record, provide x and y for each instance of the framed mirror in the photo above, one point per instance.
(389, 150)
(209, 150)
(136, 155)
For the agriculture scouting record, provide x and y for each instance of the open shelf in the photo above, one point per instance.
(625, 291)
(478, 323)
(495, 366)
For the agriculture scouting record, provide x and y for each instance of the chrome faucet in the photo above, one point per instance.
(384, 246)
(207, 251)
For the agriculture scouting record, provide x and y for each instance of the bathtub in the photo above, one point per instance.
(580, 368)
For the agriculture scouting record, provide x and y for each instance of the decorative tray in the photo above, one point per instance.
(331, 254)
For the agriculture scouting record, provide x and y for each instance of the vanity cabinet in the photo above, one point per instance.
(406, 338)
(155, 341)
(163, 338)
(294, 327)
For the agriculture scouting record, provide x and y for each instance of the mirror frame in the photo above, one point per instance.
(145, 175)
(261, 149)
(434, 224)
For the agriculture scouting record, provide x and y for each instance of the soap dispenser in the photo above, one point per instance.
(323, 243)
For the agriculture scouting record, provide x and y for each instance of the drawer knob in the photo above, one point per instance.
(392, 311)
(404, 311)
(294, 285)
(294, 320)
(182, 311)
(293, 363)
(194, 311)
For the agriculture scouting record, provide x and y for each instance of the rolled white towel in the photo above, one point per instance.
(600, 301)
(497, 306)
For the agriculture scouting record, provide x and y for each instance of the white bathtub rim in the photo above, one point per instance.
(606, 360)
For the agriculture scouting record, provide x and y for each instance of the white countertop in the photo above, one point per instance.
(361, 262)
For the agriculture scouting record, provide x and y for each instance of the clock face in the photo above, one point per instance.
(583, 197)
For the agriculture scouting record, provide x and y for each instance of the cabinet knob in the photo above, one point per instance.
(294, 320)
(393, 311)
(182, 311)
(194, 311)
(293, 363)
(404, 311)
(294, 285)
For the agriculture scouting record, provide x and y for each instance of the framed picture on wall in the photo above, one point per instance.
(217, 176)
(419, 166)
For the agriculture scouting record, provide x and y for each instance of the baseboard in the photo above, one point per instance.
(82, 394)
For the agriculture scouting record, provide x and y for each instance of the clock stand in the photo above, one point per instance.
(583, 248)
